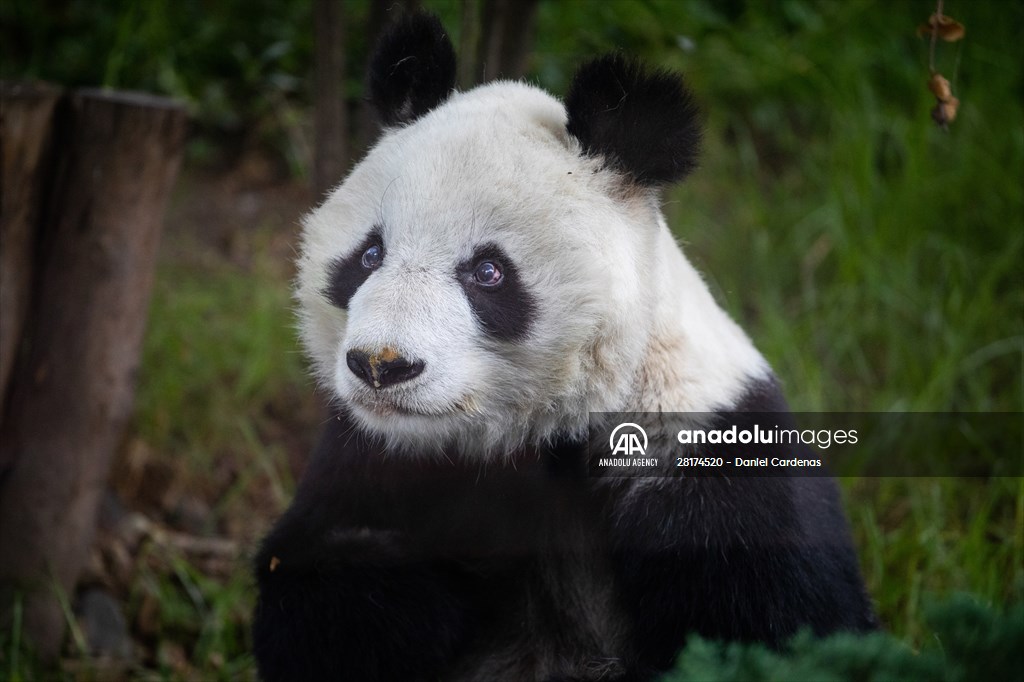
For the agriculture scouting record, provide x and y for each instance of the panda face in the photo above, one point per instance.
(465, 281)
(497, 267)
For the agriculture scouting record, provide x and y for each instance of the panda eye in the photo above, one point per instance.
(488, 274)
(372, 257)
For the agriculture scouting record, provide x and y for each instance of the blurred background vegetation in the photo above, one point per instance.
(876, 260)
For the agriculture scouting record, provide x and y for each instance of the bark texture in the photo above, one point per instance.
(116, 159)
(330, 126)
(506, 38)
(26, 117)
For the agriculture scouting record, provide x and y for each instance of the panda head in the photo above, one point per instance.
(484, 276)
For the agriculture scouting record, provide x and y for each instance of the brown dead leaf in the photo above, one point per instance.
(945, 27)
(944, 113)
(940, 87)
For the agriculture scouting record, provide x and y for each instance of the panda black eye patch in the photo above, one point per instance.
(502, 304)
(346, 275)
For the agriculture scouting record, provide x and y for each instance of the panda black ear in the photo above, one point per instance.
(412, 69)
(644, 124)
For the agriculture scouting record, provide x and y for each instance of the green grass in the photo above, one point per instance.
(923, 537)
(201, 621)
(220, 353)
(877, 261)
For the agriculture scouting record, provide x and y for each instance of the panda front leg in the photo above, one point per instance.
(353, 605)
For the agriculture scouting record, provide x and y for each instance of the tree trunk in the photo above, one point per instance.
(468, 41)
(506, 38)
(329, 124)
(381, 13)
(26, 117)
(72, 396)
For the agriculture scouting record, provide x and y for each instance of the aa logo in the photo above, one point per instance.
(628, 439)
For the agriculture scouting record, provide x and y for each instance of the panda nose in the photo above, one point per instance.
(383, 368)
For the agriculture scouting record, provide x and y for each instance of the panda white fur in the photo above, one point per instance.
(495, 269)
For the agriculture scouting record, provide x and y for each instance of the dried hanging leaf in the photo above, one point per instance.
(274, 563)
(940, 87)
(944, 113)
(947, 28)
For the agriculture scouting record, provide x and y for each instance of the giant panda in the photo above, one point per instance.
(493, 271)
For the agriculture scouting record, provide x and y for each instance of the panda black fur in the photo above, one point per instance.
(494, 269)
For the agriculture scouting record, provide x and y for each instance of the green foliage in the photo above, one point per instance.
(242, 66)
(972, 641)
(881, 260)
(205, 53)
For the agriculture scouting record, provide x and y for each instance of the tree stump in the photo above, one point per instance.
(26, 119)
(72, 391)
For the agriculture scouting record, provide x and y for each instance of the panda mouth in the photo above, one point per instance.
(383, 408)
(380, 407)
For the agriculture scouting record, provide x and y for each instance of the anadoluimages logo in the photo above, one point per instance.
(628, 442)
